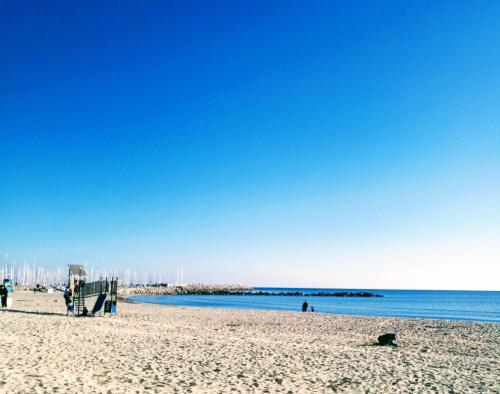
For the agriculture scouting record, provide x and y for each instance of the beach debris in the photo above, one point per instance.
(388, 340)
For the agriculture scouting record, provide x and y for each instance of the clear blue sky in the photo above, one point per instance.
(337, 144)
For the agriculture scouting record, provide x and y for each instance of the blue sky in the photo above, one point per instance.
(333, 144)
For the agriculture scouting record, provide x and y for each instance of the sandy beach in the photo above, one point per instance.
(153, 348)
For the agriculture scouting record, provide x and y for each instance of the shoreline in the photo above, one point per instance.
(128, 300)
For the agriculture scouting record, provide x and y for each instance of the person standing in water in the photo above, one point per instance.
(304, 306)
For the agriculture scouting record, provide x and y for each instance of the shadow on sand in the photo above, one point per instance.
(32, 312)
(377, 344)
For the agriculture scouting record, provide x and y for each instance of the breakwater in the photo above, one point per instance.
(317, 294)
(301, 294)
(238, 290)
(195, 289)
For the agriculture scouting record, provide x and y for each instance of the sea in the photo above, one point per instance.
(481, 306)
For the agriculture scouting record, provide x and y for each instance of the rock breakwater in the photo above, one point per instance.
(195, 289)
(240, 290)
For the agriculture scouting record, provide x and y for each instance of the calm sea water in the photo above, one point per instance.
(430, 304)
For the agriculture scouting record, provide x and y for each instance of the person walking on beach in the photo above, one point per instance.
(67, 298)
(304, 306)
(4, 293)
(67, 295)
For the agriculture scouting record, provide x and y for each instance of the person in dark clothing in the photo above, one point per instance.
(4, 293)
(67, 295)
(388, 340)
(304, 306)
(67, 298)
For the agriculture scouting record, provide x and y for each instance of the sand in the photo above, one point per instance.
(153, 348)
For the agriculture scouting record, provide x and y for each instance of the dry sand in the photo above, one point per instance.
(153, 348)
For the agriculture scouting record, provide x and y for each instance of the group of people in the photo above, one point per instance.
(305, 305)
(4, 293)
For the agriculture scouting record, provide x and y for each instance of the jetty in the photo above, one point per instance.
(240, 290)
(193, 289)
(318, 294)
